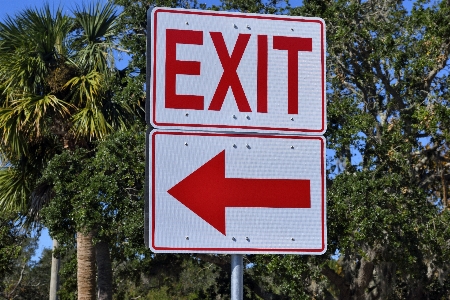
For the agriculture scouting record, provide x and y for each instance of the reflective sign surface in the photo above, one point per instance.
(234, 193)
(237, 72)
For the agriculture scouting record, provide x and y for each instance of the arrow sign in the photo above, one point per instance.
(207, 192)
(236, 193)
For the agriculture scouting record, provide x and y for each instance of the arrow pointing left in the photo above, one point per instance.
(207, 192)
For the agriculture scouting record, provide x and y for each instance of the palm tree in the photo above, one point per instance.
(29, 45)
(54, 74)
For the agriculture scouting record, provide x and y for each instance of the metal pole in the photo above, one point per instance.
(237, 277)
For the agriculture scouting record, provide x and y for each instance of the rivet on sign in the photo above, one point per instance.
(187, 23)
(248, 117)
(187, 238)
(248, 240)
(234, 146)
(234, 117)
(185, 143)
(248, 26)
(292, 119)
(292, 147)
(187, 115)
(292, 239)
(248, 146)
(235, 26)
(292, 29)
(233, 238)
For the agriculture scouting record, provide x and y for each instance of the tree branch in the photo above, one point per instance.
(338, 281)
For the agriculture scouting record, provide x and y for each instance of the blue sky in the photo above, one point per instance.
(9, 7)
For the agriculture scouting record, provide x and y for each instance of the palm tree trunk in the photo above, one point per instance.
(86, 266)
(54, 277)
(104, 271)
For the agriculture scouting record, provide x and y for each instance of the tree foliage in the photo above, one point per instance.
(388, 161)
(387, 90)
(56, 73)
(24, 278)
(11, 239)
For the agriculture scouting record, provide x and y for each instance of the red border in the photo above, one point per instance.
(228, 250)
(232, 15)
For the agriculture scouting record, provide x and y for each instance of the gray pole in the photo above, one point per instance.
(237, 277)
(54, 278)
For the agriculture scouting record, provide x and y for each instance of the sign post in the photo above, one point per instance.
(237, 277)
(236, 163)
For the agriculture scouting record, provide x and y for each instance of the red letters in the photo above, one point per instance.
(230, 63)
(292, 45)
(229, 77)
(262, 74)
(174, 67)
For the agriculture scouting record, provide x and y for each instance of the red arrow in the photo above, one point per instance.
(207, 192)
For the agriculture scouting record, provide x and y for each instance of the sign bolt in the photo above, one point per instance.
(187, 23)
(234, 239)
(247, 238)
(234, 146)
(185, 143)
(248, 26)
(292, 29)
(235, 26)
(187, 238)
(292, 239)
(248, 146)
(187, 114)
(248, 117)
(234, 117)
(292, 119)
(292, 147)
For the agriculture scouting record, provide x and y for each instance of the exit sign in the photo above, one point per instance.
(221, 71)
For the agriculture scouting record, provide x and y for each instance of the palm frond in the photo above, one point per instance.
(97, 20)
(17, 197)
(118, 113)
(98, 23)
(85, 88)
(15, 190)
(90, 122)
(23, 120)
(31, 44)
(13, 140)
(10, 30)
(46, 31)
(23, 69)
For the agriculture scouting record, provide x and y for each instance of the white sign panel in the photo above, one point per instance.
(234, 193)
(221, 71)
